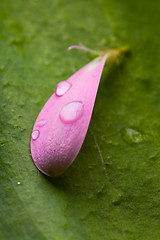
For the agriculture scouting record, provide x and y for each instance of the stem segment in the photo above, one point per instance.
(113, 53)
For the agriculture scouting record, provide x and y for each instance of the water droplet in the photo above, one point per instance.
(18, 183)
(62, 88)
(41, 123)
(35, 134)
(71, 112)
(132, 136)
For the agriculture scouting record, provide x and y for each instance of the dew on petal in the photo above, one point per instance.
(71, 112)
(35, 134)
(41, 123)
(62, 88)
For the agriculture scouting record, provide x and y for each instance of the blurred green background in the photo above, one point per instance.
(112, 190)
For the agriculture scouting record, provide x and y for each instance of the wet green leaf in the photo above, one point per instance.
(112, 191)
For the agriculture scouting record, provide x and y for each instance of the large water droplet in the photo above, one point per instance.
(62, 88)
(71, 112)
(35, 134)
(41, 123)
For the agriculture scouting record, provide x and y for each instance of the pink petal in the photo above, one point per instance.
(62, 124)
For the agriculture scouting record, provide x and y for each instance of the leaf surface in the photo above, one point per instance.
(112, 190)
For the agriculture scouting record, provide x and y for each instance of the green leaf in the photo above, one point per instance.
(112, 190)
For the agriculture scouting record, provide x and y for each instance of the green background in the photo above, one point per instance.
(112, 190)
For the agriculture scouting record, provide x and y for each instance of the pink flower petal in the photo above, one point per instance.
(66, 117)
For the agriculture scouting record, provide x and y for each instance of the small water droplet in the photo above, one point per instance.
(35, 134)
(18, 183)
(132, 136)
(62, 88)
(41, 123)
(71, 112)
